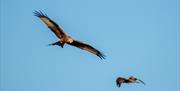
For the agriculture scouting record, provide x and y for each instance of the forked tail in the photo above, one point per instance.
(57, 43)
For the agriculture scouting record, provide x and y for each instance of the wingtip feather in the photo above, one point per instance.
(39, 14)
(101, 55)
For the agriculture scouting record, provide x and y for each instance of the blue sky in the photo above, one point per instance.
(139, 38)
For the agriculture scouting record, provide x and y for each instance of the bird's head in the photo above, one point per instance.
(136, 80)
(132, 78)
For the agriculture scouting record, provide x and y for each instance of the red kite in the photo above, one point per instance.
(131, 79)
(64, 38)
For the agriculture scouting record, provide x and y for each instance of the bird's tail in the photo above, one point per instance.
(57, 43)
(118, 83)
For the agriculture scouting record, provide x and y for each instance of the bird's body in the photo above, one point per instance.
(64, 38)
(131, 79)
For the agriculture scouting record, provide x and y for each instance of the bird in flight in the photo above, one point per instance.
(64, 38)
(131, 79)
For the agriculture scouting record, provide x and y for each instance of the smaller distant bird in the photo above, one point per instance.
(131, 79)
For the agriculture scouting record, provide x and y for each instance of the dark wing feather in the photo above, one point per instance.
(141, 81)
(119, 81)
(51, 24)
(87, 47)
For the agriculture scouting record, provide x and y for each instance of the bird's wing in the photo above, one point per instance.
(51, 24)
(119, 81)
(87, 47)
(141, 81)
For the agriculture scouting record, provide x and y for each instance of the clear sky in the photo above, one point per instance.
(139, 38)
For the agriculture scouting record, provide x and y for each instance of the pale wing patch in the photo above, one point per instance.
(70, 40)
(46, 21)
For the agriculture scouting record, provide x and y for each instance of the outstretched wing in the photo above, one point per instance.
(119, 81)
(51, 24)
(87, 47)
(141, 81)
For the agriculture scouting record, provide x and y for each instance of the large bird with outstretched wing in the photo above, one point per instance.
(64, 38)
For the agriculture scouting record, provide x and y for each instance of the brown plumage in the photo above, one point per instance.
(64, 38)
(131, 79)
